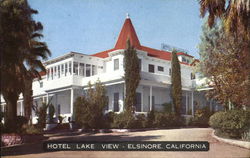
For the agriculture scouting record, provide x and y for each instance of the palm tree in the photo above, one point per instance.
(21, 52)
(235, 14)
(32, 57)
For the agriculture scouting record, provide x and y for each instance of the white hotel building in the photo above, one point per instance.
(67, 76)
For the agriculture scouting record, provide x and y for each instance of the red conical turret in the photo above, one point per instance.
(127, 32)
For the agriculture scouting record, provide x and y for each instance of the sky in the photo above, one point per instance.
(92, 26)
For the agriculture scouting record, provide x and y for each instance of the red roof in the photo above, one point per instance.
(128, 32)
(185, 54)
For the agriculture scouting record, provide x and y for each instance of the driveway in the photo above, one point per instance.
(217, 149)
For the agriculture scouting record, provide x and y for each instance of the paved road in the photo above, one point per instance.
(217, 149)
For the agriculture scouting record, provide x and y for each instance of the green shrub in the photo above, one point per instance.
(201, 117)
(109, 119)
(41, 113)
(166, 120)
(121, 120)
(89, 108)
(127, 120)
(150, 119)
(31, 129)
(232, 123)
(51, 113)
(141, 121)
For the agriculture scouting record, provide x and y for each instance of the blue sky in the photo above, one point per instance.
(91, 26)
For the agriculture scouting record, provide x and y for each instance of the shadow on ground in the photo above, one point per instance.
(36, 148)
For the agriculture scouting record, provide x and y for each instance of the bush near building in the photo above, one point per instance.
(89, 108)
(231, 124)
(201, 117)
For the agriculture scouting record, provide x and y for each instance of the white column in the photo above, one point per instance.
(192, 102)
(56, 108)
(21, 110)
(71, 101)
(150, 98)
(186, 102)
(124, 96)
(142, 100)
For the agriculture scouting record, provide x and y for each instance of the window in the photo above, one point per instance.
(62, 69)
(170, 71)
(94, 71)
(116, 64)
(81, 69)
(138, 102)
(116, 102)
(41, 84)
(75, 68)
(88, 70)
(66, 68)
(151, 68)
(58, 68)
(160, 68)
(55, 73)
(70, 68)
(51, 70)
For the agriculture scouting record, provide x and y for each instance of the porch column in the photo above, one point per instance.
(192, 102)
(150, 98)
(124, 96)
(71, 101)
(142, 99)
(21, 110)
(186, 102)
(56, 107)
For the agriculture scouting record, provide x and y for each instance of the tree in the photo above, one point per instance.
(235, 14)
(176, 88)
(221, 61)
(20, 52)
(131, 77)
(90, 107)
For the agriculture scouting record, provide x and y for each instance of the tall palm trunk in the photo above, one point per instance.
(11, 110)
(248, 73)
(27, 98)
